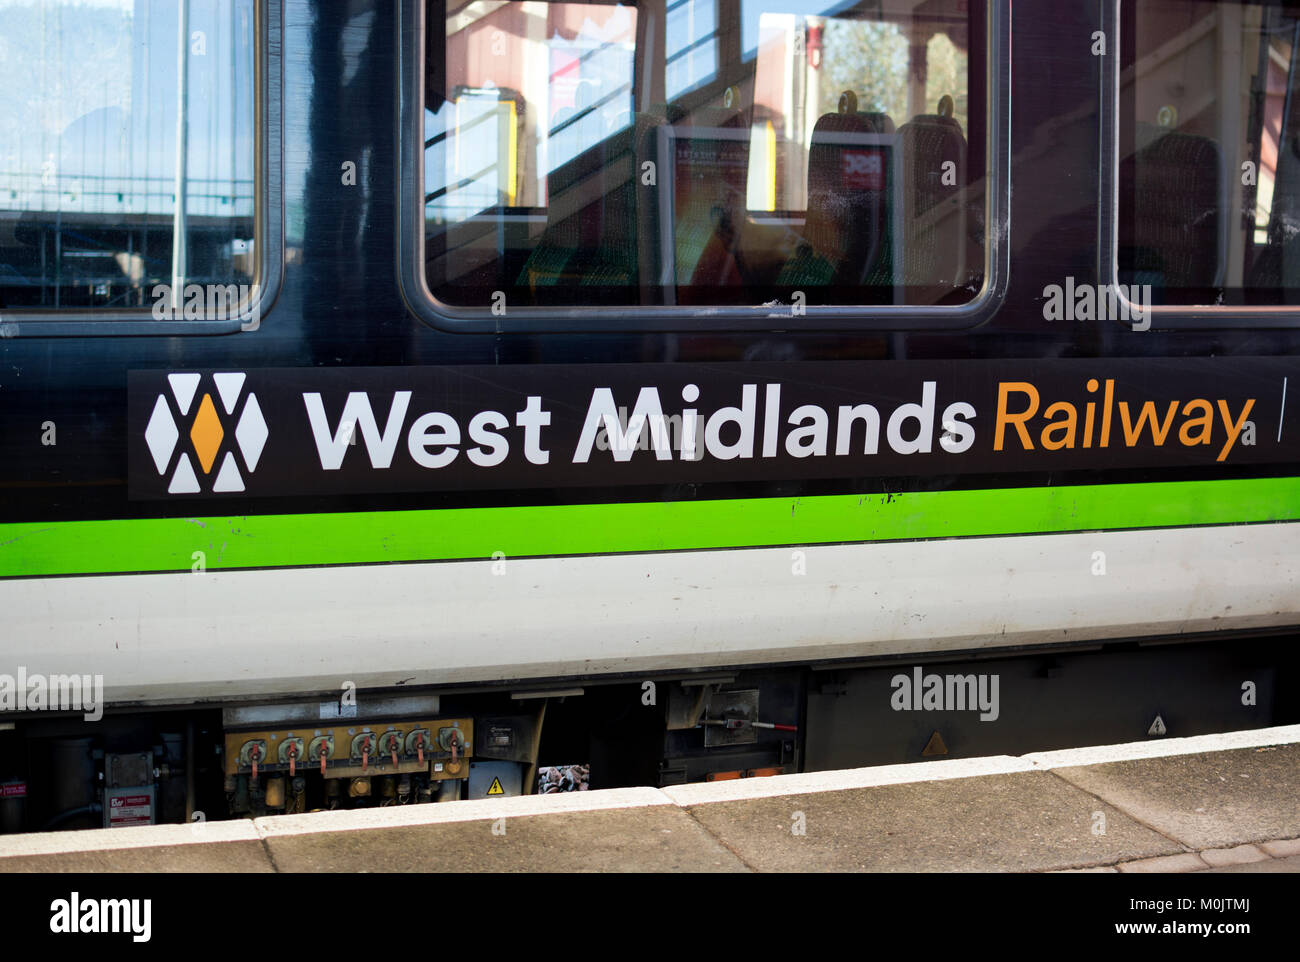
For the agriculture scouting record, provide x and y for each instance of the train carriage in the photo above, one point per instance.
(399, 399)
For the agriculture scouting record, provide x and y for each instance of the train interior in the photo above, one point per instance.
(704, 152)
(1209, 139)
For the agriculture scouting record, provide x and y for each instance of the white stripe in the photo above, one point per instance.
(113, 839)
(1165, 747)
(223, 635)
(472, 810)
(702, 793)
(1281, 412)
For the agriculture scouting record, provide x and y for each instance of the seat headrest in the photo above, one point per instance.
(836, 163)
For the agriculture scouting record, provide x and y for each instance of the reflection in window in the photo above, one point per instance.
(692, 45)
(795, 151)
(530, 86)
(89, 104)
(1210, 153)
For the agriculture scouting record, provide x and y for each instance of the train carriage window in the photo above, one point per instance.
(105, 210)
(1209, 144)
(729, 153)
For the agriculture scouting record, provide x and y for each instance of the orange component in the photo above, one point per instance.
(764, 772)
(721, 776)
(419, 748)
(206, 433)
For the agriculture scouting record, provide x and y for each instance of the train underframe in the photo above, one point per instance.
(380, 748)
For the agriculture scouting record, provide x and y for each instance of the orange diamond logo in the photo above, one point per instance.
(207, 433)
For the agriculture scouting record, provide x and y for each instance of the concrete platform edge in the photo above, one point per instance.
(680, 796)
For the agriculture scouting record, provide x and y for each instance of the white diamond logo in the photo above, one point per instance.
(228, 478)
(251, 432)
(228, 386)
(175, 440)
(184, 386)
(161, 434)
(184, 481)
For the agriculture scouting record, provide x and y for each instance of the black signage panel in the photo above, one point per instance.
(294, 431)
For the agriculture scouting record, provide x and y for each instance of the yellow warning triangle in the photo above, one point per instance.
(935, 746)
(496, 788)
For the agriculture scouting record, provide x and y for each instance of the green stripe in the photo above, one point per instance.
(377, 537)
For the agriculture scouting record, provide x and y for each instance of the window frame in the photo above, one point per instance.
(1158, 316)
(268, 214)
(682, 319)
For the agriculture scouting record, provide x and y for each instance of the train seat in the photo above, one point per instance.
(1173, 178)
(845, 239)
(598, 223)
(934, 175)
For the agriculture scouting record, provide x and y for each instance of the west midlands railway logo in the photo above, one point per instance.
(198, 429)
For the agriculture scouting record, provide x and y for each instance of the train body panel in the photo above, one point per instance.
(224, 636)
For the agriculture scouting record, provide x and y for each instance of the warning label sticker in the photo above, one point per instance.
(126, 810)
(496, 788)
(13, 790)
